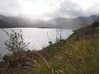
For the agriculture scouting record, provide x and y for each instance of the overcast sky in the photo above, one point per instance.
(49, 8)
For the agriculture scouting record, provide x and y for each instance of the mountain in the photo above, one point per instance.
(4, 24)
(24, 22)
(16, 21)
(68, 23)
(73, 23)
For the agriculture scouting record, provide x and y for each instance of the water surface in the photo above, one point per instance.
(37, 37)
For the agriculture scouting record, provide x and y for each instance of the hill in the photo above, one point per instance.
(79, 54)
(4, 24)
(73, 23)
(67, 23)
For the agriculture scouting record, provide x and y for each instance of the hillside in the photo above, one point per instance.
(59, 22)
(4, 24)
(73, 23)
(79, 54)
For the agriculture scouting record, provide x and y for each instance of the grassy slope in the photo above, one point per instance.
(79, 54)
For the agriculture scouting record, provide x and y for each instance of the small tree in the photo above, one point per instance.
(15, 42)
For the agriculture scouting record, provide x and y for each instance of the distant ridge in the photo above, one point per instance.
(4, 24)
(67, 23)
(74, 23)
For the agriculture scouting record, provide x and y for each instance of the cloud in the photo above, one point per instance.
(9, 7)
(70, 8)
(49, 8)
(67, 7)
(93, 9)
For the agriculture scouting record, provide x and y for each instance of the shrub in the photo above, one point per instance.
(15, 42)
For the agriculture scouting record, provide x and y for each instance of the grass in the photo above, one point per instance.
(79, 54)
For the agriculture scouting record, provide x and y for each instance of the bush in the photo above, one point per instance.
(15, 42)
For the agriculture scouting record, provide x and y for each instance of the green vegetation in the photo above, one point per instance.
(15, 42)
(79, 54)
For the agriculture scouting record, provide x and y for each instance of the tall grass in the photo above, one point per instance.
(71, 56)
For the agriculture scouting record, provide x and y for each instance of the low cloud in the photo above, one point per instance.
(56, 8)
(9, 7)
(69, 8)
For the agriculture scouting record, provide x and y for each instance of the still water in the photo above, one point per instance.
(37, 37)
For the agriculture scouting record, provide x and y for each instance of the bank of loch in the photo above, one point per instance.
(79, 54)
